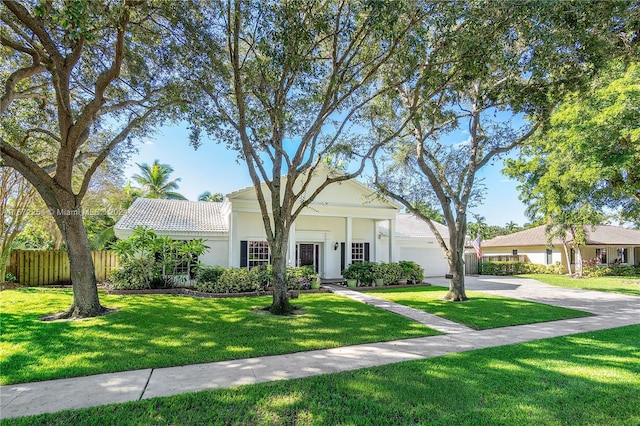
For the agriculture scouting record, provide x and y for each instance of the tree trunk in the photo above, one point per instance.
(567, 255)
(456, 291)
(83, 278)
(578, 268)
(4, 260)
(280, 304)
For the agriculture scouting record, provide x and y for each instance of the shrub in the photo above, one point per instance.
(364, 272)
(209, 274)
(10, 278)
(207, 277)
(133, 274)
(623, 270)
(591, 268)
(391, 273)
(160, 282)
(300, 278)
(514, 267)
(265, 275)
(233, 280)
(412, 271)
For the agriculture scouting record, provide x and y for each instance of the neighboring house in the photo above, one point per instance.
(348, 222)
(609, 244)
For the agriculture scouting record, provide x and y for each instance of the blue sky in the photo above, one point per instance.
(213, 168)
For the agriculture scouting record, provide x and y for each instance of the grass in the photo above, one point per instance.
(164, 330)
(481, 311)
(589, 379)
(625, 285)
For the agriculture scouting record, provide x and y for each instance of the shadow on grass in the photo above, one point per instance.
(164, 330)
(592, 378)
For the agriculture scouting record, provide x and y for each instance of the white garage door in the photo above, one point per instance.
(431, 259)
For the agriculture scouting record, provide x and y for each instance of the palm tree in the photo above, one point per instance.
(208, 196)
(155, 182)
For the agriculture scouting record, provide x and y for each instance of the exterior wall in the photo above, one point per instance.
(425, 251)
(217, 254)
(325, 231)
(535, 254)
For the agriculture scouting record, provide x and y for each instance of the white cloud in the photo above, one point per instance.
(466, 142)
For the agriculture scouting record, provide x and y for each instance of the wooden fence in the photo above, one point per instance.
(51, 267)
(471, 265)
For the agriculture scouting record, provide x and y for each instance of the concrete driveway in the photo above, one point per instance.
(597, 302)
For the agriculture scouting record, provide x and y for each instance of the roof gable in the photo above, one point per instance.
(348, 193)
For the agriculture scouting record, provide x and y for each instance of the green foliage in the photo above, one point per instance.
(300, 278)
(587, 159)
(209, 274)
(412, 271)
(155, 181)
(134, 273)
(364, 272)
(208, 196)
(514, 267)
(234, 280)
(161, 255)
(591, 268)
(10, 278)
(391, 273)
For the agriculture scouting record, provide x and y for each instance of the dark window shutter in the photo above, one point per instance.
(366, 252)
(343, 257)
(243, 253)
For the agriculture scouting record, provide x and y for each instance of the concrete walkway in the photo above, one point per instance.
(611, 310)
(430, 320)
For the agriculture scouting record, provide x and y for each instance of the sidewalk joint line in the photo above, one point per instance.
(144, 389)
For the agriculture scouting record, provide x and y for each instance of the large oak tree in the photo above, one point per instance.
(589, 155)
(284, 83)
(82, 77)
(485, 72)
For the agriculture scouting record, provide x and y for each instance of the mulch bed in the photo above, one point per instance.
(195, 293)
(385, 287)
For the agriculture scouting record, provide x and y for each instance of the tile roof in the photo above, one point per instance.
(174, 215)
(408, 225)
(598, 235)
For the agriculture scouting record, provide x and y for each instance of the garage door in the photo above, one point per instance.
(431, 259)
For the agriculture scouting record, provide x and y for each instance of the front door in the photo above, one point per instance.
(308, 255)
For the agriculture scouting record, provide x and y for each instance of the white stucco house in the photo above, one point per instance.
(609, 244)
(348, 222)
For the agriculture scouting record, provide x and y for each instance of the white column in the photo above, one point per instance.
(392, 240)
(327, 248)
(291, 252)
(234, 243)
(347, 249)
(373, 256)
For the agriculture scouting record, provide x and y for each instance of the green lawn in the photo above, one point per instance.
(625, 285)
(481, 311)
(587, 379)
(163, 330)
